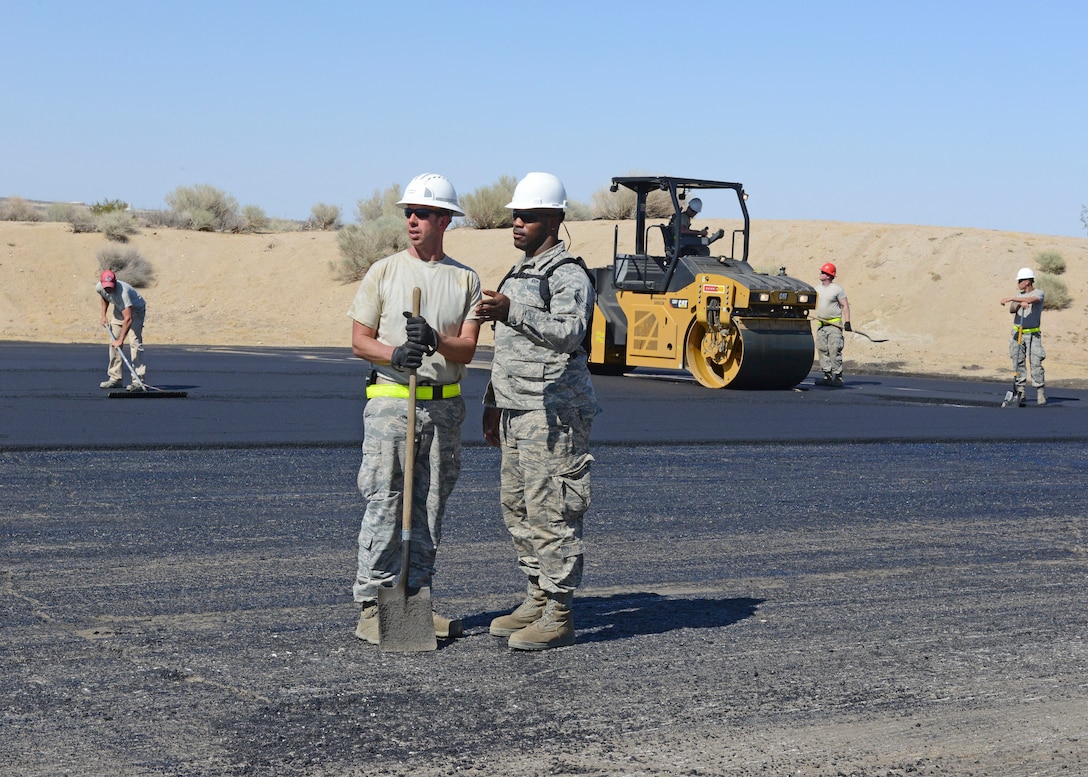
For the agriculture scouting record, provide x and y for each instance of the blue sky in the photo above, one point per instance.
(969, 114)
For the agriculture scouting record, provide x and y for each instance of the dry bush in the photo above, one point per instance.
(253, 219)
(204, 208)
(1050, 262)
(127, 264)
(614, 205)
(381, 203)
(578, 211)
(485, 207)
(116, 225)
(18, 209)
(325, 217)
(79, 217)
(659, 205)
(1055, 292)
(363, 244)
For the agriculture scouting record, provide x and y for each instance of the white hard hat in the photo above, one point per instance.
(538, 191)
(1024, 274)
(696, 204)
(431, 189)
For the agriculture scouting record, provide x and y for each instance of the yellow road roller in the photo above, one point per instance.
(687, 300)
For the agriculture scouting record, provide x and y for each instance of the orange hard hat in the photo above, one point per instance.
(829, 269)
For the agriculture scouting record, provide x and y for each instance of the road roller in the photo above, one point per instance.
(688, 300)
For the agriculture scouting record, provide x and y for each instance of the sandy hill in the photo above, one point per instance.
(933, 291)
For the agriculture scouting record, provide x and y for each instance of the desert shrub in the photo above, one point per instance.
(127, 264)
(325, 217)
(284, 225)
(61, 211)
(381, 203)
(620, 204)
(18, 209)
(108, 206)
(1055, 291)
(613, 206)
(1050, 262)
(659, 205)
(363, 244)
(253, 219)
(79, 217)
(578, 211)
(204, 208)
(485, 207)
(116, 224)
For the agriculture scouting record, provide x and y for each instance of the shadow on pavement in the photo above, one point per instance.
(622, 616)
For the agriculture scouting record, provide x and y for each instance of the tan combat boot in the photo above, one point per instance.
(555, 628)
(368, 623)
(1040, 397)
(527, 612)
(446, 628)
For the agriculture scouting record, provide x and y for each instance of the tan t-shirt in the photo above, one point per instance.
(450, 293)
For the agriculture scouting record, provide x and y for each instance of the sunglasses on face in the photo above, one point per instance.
(420, 213)
(529, 216)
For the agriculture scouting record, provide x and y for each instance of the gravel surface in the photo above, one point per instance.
(850, 610)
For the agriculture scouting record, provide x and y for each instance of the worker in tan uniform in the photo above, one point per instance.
(832, 319)
(1026, 345)
(437, 344)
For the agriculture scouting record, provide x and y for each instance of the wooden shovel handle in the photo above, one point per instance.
(409, 463)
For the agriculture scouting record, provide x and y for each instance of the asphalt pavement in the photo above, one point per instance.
(274, 396)
(886, 579)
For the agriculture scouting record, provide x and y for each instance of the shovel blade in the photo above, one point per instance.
(1008, 398)
(405, 620)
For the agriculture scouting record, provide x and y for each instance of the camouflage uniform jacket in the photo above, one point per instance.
(539, 362)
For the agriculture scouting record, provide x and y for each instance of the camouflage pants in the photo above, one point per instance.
(545, 491)
(829, 342)
(381, 482)
(1030, 350)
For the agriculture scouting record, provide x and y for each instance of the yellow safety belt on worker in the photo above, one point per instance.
(400, 391)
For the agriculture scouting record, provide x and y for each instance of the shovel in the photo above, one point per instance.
(405, 619)
(855, 331)
(143, 391)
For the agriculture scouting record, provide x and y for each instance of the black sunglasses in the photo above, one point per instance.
(420, 213)
(529, 216)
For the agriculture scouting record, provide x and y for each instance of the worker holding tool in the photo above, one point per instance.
(832, 319)
(539, 409)
(437, 344)
(127, 321)
(1026, 345)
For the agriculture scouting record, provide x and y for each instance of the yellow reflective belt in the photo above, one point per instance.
(827, 321)
(400, 391)
(1032, 331)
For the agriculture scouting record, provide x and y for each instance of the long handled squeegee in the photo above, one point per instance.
(142, 391)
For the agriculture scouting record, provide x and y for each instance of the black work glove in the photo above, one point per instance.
(408, 356)
(419, 331)
(847, 327)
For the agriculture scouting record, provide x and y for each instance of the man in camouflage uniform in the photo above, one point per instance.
(539, 409)
(1026, 344)
(437, 344)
